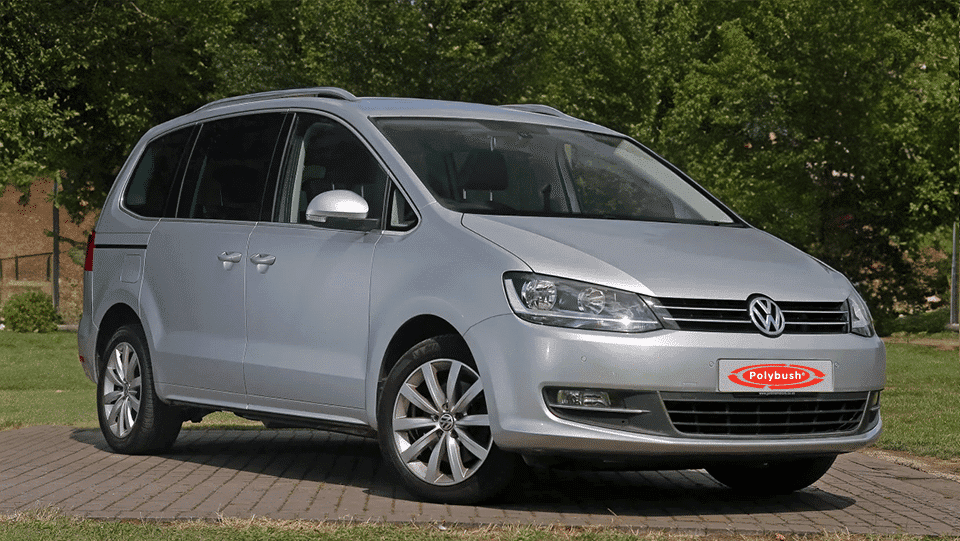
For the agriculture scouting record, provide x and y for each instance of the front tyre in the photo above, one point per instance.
(434, 427)
(132, 418)
(774, 477)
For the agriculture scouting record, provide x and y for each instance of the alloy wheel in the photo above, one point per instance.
(122, 389)
(440, 422)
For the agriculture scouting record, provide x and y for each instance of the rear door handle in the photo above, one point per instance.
(263, 261)
(229, 258)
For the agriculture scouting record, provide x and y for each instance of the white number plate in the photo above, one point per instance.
(775, 376)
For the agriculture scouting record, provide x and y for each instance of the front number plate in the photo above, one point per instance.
(775, 376)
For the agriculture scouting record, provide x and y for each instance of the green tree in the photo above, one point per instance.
(803, 115)
(256, 46)
(33, 126)
(831, 124)
(85, 79)
(483, 51)
(617, 63)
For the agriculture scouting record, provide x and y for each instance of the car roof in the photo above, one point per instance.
(396, 107)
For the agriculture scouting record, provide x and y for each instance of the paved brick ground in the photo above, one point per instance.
(313, 475)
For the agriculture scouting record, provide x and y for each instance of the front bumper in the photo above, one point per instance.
(519, 360)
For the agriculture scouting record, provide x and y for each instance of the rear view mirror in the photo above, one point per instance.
(340, 209)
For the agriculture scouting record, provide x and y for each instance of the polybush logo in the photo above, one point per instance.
(777, 376)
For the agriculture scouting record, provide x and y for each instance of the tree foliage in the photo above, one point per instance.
(467, 50)
(89, 78)
(831, 124)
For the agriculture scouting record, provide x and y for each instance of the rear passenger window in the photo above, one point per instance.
(152, 191)
(229, 170)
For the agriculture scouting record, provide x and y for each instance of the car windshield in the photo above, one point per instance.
(511, 168)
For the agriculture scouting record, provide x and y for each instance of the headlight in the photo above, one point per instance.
(860, 320)
(566, 303)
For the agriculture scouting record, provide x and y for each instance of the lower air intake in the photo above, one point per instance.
(713, 414)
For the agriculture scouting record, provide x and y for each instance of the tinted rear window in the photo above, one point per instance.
(229, 170)
(151, 189)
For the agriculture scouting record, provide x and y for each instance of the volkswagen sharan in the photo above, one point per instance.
(479, 287)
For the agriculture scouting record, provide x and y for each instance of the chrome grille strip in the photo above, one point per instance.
(704, 320)
(709, 315)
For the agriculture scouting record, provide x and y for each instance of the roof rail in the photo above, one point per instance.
(540, 109)
(318, 92)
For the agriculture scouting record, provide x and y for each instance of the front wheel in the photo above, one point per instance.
(132, 418)
(773, 477)
(434, 427)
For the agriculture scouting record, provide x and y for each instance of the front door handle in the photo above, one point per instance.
(263, 261)
(229, 258)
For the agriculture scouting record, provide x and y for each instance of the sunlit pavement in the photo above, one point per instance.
(313, 475)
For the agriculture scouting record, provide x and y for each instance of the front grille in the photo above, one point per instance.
(732, 316)
(712, 414)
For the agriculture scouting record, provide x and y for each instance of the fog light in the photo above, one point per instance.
(582, 397)
(569, 398)
(596, 399)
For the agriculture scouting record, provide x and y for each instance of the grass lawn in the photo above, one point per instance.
(921, 403)
(56, 528)
(42, 383)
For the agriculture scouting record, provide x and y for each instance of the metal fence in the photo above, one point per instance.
(33, 267)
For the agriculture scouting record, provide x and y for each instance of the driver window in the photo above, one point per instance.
(325, 156)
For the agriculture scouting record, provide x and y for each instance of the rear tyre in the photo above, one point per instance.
(434, 427)
(774, 477)
(132, 418)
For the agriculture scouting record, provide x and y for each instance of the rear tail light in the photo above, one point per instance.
(88, 261)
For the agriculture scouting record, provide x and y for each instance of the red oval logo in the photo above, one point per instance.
(777, 376)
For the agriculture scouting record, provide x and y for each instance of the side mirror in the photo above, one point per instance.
(340, 208)
(337, 204)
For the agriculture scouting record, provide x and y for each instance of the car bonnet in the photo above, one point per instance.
(664, 259)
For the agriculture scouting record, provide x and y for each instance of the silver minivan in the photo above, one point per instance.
(478, 287)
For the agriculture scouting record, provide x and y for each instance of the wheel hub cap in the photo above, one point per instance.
(447, 422)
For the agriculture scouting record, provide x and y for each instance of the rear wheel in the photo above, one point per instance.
(434, 427)
(132, 418)
(774, 477)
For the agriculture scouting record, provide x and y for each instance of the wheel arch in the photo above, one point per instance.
(412, 332)
(117, 316)
(444, 421)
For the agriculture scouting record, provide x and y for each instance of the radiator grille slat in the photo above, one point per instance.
(708, 315)
(728, 414)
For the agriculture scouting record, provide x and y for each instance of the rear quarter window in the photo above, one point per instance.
(150, 192)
